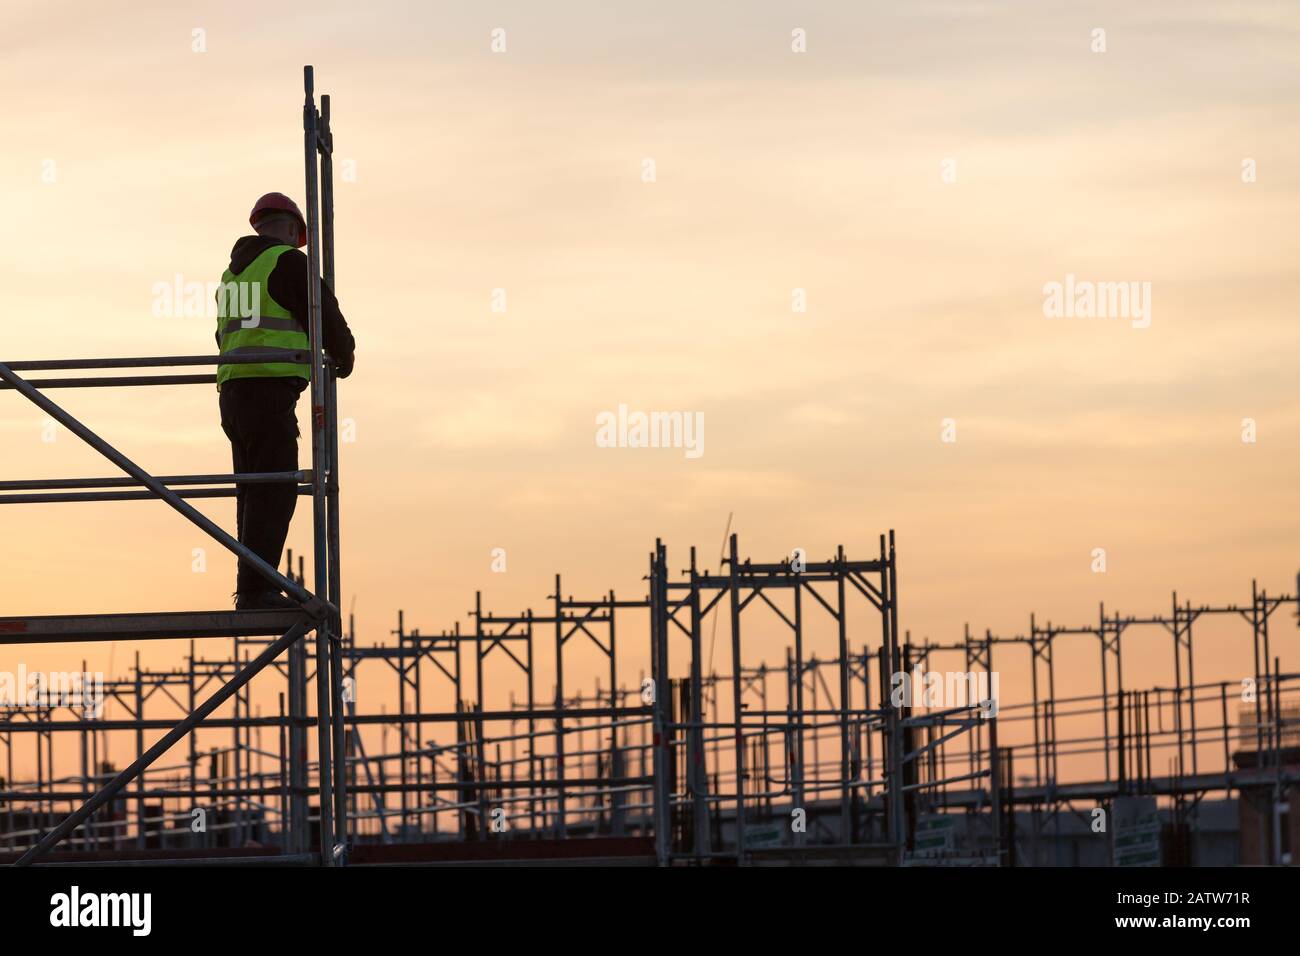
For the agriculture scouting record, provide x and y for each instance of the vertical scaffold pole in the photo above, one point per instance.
(841, 620)
(663, 703)
(561, 808)
(737, 710)
(320, 472)
(332, 489)
(893, 657)
(299, 836)
(698, 769)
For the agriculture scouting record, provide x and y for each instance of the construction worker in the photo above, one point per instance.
(261, 307)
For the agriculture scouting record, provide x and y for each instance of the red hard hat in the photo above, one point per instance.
(279, 202)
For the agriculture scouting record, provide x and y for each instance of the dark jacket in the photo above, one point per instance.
(288, 286)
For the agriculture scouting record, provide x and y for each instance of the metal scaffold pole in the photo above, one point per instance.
(332, 493)
(320, 454)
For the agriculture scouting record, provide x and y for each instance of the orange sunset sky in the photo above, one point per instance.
(130, 158)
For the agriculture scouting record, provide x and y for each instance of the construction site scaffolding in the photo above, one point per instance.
(318, 608)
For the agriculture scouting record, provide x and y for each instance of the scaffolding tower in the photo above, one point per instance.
(317, 612)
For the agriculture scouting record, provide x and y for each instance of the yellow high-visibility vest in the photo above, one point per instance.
(249, 320)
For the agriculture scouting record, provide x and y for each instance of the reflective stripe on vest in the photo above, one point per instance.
(249, 320)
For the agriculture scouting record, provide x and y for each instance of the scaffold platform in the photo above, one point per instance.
(158, 625)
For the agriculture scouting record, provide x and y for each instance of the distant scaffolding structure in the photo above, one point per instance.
(676, 758)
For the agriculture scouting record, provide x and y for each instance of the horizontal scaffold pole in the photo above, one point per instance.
(248, 478)
(56, 496)
(118, 381)
(157, 361)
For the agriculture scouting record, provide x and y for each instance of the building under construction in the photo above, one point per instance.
(688, 750)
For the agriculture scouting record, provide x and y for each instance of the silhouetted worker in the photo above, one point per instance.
(262, 307)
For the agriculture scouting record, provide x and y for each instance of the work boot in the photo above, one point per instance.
(264, 600)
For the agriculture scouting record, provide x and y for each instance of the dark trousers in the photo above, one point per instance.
(259, 417)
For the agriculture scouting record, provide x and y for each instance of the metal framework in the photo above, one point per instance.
(1176, 723)
(692, 760)
(318, 612)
